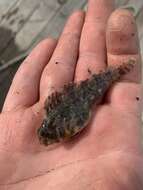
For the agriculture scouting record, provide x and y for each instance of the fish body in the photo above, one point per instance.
(68, 112)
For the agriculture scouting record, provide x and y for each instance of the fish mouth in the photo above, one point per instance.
(45, 140)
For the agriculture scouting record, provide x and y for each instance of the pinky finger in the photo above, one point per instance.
(24, 90)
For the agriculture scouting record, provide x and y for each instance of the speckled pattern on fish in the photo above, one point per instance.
(68, 112)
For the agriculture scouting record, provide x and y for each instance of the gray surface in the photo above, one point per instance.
(28, 22)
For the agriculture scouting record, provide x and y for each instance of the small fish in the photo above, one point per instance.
(68, 112)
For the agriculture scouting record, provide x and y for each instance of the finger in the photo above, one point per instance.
(25, 86)
(122, 45)
(126, 96)
(92, 46)
(60, 69)
(122, 41)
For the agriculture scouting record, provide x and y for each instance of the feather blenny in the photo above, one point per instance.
(68, 112)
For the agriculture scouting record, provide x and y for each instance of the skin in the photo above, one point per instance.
(108, 154)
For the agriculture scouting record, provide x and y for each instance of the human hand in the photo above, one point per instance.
(108, 155)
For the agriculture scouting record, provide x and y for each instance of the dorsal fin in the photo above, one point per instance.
(52, 100)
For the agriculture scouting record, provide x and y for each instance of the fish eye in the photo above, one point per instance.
(44, 124)
(42, 132)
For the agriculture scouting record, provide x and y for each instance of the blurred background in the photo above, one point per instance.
(23, 23)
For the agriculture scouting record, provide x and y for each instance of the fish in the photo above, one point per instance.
(69, 111)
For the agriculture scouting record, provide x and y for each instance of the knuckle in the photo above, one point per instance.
(71, 35)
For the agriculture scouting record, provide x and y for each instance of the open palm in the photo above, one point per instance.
(108, 153)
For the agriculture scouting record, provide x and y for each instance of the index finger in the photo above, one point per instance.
(92, 55)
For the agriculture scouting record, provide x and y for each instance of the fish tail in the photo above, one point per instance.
(119, 71)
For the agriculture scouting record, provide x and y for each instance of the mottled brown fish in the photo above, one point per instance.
(68, 112)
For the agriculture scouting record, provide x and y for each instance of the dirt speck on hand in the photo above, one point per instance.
(133, 34)
(89, 71)
(17, 92)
